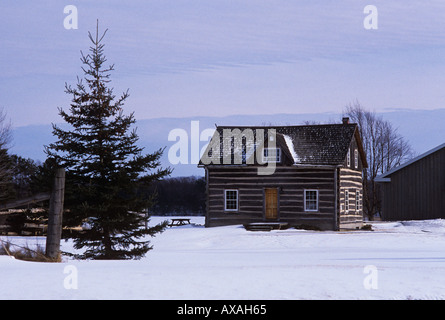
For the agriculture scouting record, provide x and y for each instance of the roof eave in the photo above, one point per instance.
(358, 139)
(415, 159)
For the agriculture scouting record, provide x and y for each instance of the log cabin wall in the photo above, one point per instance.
(350, 188)
(290, 182)
(350, 199)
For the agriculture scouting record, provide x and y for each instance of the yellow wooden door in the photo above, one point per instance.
(271, 196)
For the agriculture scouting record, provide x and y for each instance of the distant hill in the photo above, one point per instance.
(424, 129)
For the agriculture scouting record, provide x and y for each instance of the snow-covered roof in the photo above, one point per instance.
(307, 144)
(290, 146)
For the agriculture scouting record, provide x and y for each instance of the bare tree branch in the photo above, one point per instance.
(385, 149)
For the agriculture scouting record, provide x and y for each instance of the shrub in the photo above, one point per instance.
(26, 253)
(367, 227)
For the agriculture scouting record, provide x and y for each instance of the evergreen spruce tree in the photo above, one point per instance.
(106, 170)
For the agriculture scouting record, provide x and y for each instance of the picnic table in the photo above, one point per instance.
(179, 222)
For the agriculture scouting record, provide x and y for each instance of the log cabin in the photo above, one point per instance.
(301, 176)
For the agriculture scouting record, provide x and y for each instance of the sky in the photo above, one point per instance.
(189, 58)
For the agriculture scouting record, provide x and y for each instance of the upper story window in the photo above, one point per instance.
(348, 158)
(271, 155)
(356, 158)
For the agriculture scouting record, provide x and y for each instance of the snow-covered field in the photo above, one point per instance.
(399, 260)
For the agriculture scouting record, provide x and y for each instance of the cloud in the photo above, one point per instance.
(231, 49)
(172, 36)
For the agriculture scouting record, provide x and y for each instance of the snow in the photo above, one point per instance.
(193, 262)
(290, 146)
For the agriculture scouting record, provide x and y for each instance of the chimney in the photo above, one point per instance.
(345, 120)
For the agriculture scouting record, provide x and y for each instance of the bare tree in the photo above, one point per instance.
(384, 147)
(5, 130)
(5, 165)
(310, 122)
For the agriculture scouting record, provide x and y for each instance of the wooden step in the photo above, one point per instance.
(265, 226)
(258, 228)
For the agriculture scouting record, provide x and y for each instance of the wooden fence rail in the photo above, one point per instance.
(26, 201)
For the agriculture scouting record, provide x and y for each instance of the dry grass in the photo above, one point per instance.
(25, 253)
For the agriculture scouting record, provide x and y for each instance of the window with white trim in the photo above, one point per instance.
(356, 158)
(271, 155)
(357, 200)
(231, 200)
(348, 158)
(310, 200)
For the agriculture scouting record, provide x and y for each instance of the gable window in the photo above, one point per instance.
(248, 149)
(310, 200)
(348, 158)
(356, 158)
(271, 155)
(231, 200)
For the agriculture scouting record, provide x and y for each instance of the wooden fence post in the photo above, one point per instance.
(54, 233)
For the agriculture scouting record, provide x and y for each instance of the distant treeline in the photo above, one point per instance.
(179, 196)
(173, 196)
